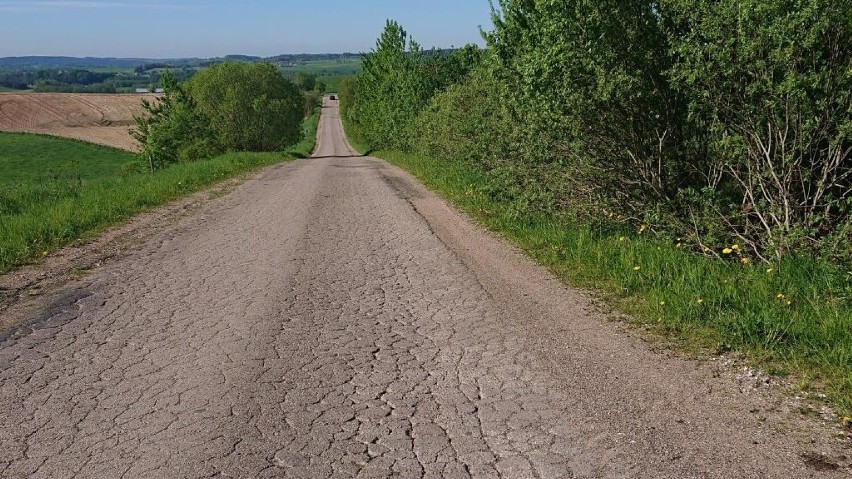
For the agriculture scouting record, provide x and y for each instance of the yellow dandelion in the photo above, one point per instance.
(735, 247)
(847, 421)
(779, 296)
(662, 303)
(745, 260)
(44, 253)
(727, 251)
(637, 268)
(623, 238)
(699, 301)
(789, 302)
(643, 228)
(769, 270)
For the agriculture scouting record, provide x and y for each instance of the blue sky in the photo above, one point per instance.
(195, 28)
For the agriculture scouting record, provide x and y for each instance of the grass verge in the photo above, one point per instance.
(28, 159)
(794, 317)
(39, 216)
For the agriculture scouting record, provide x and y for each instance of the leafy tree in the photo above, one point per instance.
(251, 106)
(173, 129)
(390, 89)
(305, 81)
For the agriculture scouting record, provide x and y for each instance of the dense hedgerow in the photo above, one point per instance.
(717, 122)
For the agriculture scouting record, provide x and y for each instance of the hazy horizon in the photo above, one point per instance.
(173, 29)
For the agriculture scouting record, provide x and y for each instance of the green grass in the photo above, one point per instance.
(325, 68)
(26, 158)
(7, 89)
(794, 317)
(66, 190)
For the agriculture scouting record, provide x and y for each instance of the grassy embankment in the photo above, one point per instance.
(55, 191)
(794, 317)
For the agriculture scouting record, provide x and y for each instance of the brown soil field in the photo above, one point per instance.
(97, 118)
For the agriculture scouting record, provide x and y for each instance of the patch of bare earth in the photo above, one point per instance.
(97, 118)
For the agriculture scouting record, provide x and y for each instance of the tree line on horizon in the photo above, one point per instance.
(710, 122)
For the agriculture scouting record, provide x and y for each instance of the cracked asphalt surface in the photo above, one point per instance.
(331, 318)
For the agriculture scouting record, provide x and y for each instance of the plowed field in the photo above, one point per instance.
(102, 119)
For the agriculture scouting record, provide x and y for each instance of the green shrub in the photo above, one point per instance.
(586, 83)
(174, 129)
(251, 106)
(771, 82)
(396, 82)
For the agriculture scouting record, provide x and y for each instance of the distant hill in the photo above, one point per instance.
(243, 58)
(33, 62)
(312, 57)
(70, 62)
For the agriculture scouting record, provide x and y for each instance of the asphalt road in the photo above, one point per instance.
(331, 318)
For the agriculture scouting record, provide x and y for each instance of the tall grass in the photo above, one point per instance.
(37, 217)
(795, 316)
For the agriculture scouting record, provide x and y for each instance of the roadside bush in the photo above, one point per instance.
(173, 129)
(390, 90)
(469, 123)
(717, 122)
(251, 106)
(586, 83)
(227, 107)
(466, 122)
(771, 81)
(396, 82)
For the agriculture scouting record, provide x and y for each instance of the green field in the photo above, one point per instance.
(7, 89)
(325, 68)
(56, 191)
(33, 159)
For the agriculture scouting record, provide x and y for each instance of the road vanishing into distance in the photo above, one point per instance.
(332, 318)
